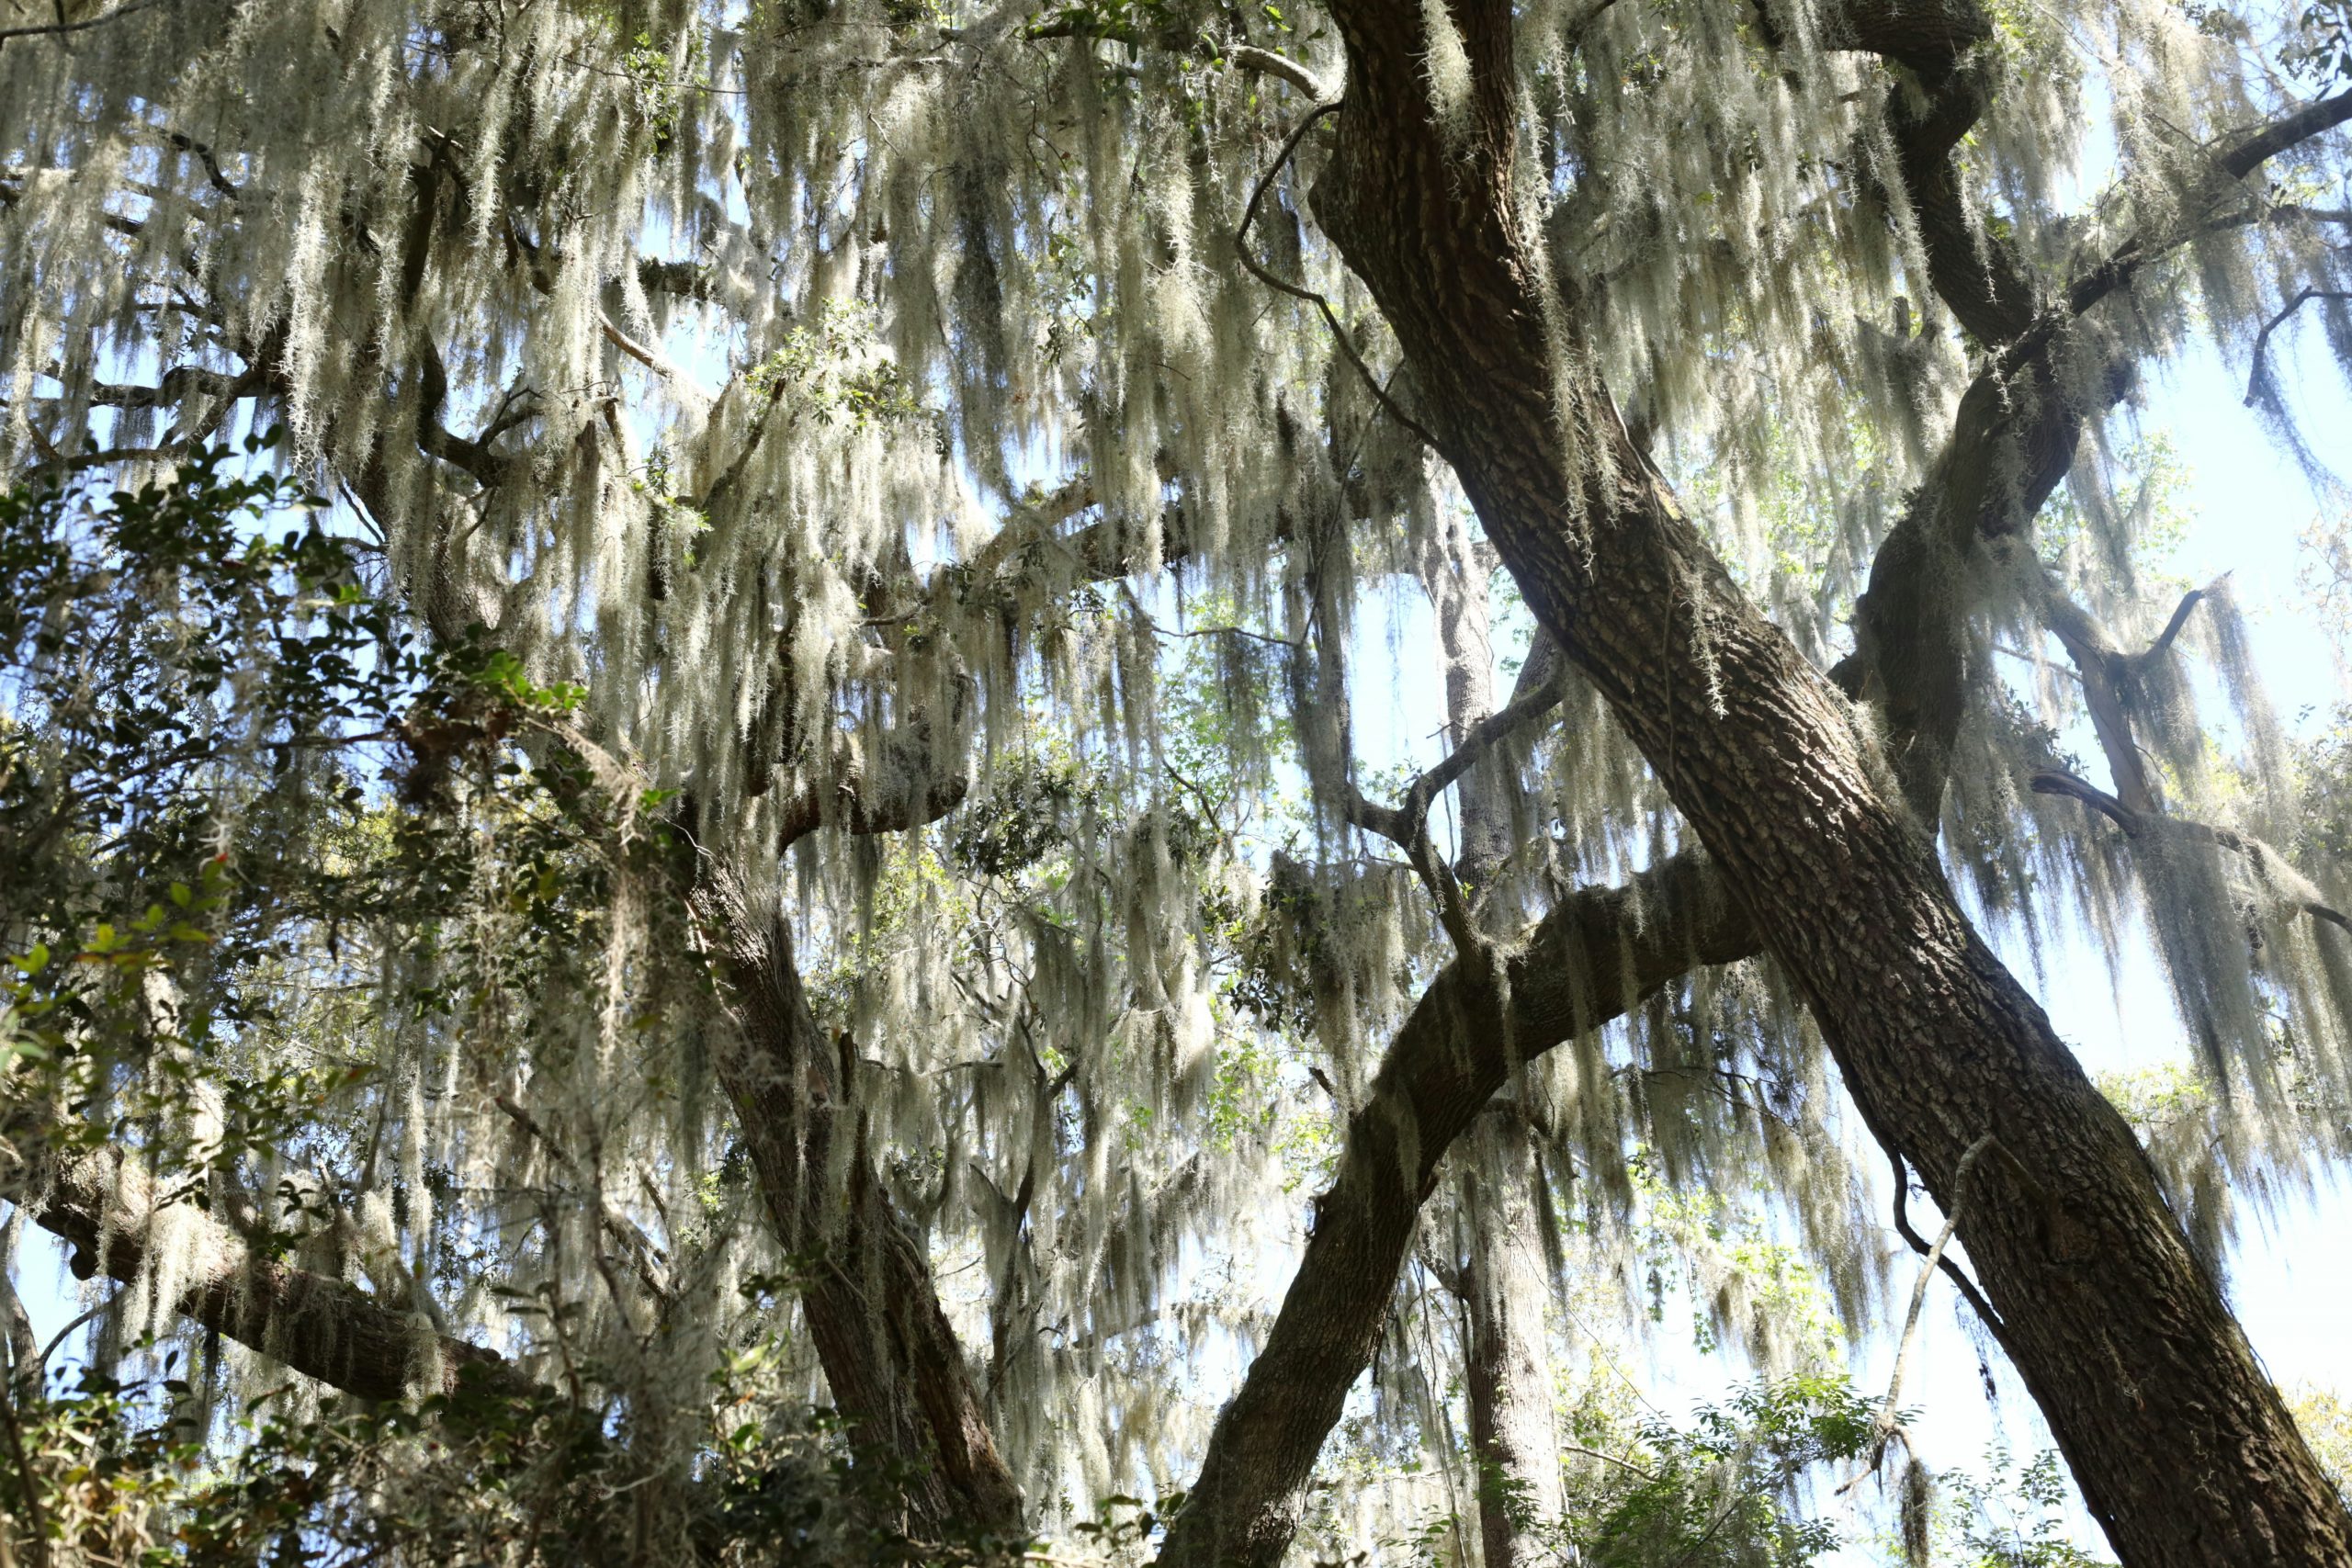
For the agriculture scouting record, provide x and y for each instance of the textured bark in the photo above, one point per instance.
(1601, 951)
(1507, 1369)
(105, 1204)
(892, 1359)
(1514, 1434)
(2184, 1451)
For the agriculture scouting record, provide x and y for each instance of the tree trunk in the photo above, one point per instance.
(890, 1357)
(1507, 1370)
(1514, 1438)
(2184, 1451)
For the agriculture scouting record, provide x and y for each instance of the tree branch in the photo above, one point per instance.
(890, 1357)
(1246, 57)
(1596, 954)
(2136, 253)
(1406, 820)
(60, 29)
(105, 1204)
(924, 777)
(1889, 1422)
(2257, 379)
(1912, 1238)
(2269, 865)
(2155, 650)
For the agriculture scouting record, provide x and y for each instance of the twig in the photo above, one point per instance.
(1330, 318)
(1889, 1424)
(57, 29)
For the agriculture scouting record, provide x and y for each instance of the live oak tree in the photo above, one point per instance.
(797, 835)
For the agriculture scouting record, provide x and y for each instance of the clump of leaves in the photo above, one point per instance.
(1727, 1489)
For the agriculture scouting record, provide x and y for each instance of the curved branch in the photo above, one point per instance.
(1330, 317)
(2257, 379)
(1597, 953)
(1918, 1244)
(2268, 865)
(60, 29)
(1401, 823)
(1247, 57)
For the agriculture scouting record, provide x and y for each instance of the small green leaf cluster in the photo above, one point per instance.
(833, 368)
(2320, 49)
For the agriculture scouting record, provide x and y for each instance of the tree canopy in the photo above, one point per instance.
(698, 797)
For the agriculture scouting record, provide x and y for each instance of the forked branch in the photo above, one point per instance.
(2258, 382)
(2268, 865)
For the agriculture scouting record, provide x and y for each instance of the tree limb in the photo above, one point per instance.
(1402, 823)
(2268, 865)
(105, 1204)
(2257, 379)
(60, 29)
(893, 1362)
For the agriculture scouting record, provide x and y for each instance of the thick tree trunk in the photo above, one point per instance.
(2184, 1451)
(1601, 951)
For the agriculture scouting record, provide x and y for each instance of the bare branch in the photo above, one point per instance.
(1267, 62)
(2189, 600)
(1244, 56)
(2101, 670)
(1889, 1422)
(58, 29)
(2269, 865)
(2257, 379)
(2054, 781)
(1405, 821)
(1917, 1243)
(2280, 135)
(652, 359)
